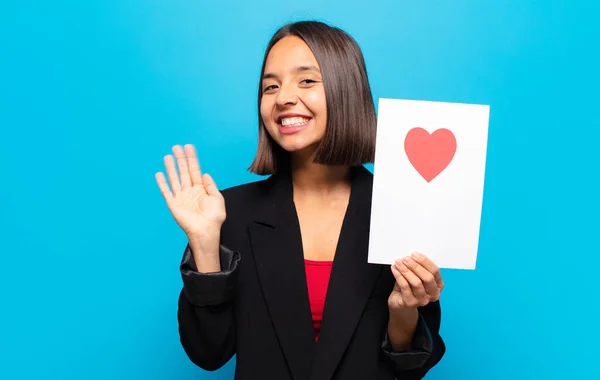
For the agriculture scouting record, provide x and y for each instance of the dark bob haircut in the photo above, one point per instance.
(351, 122)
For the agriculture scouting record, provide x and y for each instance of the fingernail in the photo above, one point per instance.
(417, 255)
(406, 260)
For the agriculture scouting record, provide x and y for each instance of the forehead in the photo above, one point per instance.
(288, 53)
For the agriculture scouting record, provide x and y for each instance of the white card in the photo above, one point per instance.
(428, 181)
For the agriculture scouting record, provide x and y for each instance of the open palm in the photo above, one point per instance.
(193, 199)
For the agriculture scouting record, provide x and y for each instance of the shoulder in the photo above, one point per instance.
(245, 192)
(242, 200)
(240, 204)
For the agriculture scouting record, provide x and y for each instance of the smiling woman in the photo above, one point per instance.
(293, 98)
(311, 68)
(276, 270)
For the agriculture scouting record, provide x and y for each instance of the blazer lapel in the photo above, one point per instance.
(278, 255)
(351, 282)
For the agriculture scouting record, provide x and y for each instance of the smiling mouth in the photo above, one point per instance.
(293, 121)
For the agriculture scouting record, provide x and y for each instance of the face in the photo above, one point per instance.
(293, 106)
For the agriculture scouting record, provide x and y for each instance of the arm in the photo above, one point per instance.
(426, 348)
(205, 315)
(209, 270)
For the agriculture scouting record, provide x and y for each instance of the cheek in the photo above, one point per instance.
(266, 112)
(318, 104)
(263, 108)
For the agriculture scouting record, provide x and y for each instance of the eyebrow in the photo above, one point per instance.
(297, 69)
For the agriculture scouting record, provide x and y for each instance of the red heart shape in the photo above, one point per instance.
(428, 153)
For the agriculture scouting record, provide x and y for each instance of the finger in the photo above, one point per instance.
(415, 283)
(184, 174)
(426, 278)
(430, 266)
(162, 185)
(172, 174)
(193, 165)
(210, 185)
(408, 298)
(425, 262)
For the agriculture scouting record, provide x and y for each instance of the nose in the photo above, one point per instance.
(287, 95)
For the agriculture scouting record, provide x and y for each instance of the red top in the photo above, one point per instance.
(317, 278)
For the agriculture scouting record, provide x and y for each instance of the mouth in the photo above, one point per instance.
(291, 124)
(293, 121)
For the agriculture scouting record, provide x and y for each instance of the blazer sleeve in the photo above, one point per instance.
(205, 310)
(427, 350)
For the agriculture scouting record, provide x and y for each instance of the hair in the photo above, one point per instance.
(351, 121)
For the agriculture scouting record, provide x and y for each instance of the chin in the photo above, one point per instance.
(298, 146)
(293, 147)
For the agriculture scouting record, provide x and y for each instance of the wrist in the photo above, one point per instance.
(204, 246)
(206, 239)
(205, 250)
(403, 313)
(401, 327)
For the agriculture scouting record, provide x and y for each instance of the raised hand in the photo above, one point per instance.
(193, 199)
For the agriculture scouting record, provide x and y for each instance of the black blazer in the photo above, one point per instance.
(257, 307)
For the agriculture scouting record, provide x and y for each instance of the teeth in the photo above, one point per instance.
(294, 121)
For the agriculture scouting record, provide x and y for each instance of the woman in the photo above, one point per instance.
(276, 270)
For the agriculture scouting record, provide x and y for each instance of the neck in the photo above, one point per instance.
(309, 177)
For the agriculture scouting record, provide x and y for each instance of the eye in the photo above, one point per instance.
(268, 88)
(309, 81)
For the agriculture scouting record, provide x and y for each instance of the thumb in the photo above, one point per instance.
(209, 185)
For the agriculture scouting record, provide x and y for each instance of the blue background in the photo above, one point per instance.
(94, 93)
